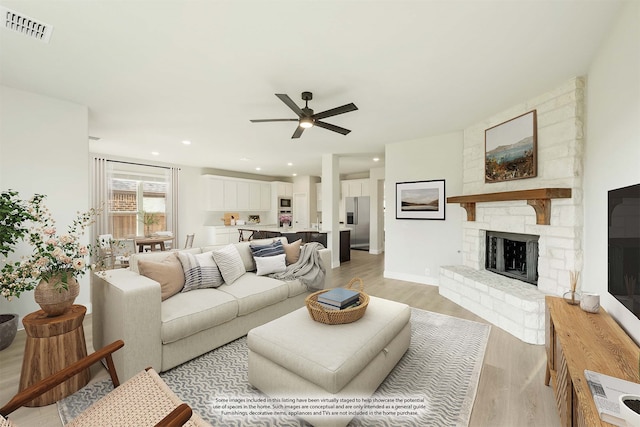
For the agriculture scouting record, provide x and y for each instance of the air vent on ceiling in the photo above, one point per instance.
(14, 21)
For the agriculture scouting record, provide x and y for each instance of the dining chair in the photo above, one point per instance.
(122, 249)
(168, 244)
(189, 243)
(105, 241)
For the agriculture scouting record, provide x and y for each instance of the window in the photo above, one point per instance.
(138, 200)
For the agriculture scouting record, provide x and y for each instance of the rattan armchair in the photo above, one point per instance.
(143, 400)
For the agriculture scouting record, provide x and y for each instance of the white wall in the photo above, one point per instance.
(44, 146)
(612, 149)
(376, 192)
(411, 246)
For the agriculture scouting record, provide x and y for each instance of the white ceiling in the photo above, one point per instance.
(154, 73)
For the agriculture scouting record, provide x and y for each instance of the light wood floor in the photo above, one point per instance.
(511, 390)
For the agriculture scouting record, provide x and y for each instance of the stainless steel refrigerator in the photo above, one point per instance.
(357, 210)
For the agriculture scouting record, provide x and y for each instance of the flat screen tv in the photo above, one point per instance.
(624, 246)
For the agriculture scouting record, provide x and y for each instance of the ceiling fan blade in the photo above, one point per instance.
(298, 132)
(273, 120)
(335, 111)
(285, 98)
(331, 127)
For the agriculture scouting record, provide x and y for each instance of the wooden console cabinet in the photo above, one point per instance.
(575, 341)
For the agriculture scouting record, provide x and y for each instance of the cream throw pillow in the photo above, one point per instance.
(229, 262)
(270, 264)
(292, 251)
(167, 272)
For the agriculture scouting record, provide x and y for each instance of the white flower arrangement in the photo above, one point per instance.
(62, 256)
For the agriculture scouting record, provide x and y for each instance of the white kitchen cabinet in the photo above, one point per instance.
(355, 188)
(242, 196)
(285, 189)
(255, 196)
(214, 194)
(230, 195)
(220, 235)
(259, 196)
(265, 197)
(233, 194)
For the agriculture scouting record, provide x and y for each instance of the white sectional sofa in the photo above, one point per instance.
(165, 333)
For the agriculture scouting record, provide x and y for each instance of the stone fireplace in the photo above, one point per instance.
(548, 206)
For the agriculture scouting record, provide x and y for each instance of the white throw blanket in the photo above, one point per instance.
(308, 269)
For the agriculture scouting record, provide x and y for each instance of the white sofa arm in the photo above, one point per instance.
(325, 256)
(126, 306)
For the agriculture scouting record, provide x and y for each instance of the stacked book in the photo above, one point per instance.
(339, 299)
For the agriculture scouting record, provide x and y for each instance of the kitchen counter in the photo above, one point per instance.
(292, 234)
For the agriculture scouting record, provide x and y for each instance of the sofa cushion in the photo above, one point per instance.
(296, 287)
(188, 313)
(168, 272)
(244, 250)
(200, 271)
(156, 256)
(229, 262)
(270, 264)
(292, 250)
(255, 292)
(268, 250)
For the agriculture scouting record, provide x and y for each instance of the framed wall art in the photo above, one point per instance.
(420, 200)
(510, 149)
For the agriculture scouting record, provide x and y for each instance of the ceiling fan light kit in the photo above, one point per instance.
(306, 122)
(307, 118)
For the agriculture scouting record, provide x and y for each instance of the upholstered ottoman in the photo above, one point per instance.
(295, 357)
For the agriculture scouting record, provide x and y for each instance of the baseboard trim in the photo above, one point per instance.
(425, 280)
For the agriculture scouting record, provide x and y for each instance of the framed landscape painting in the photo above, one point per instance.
(510, 149)
(420, 200)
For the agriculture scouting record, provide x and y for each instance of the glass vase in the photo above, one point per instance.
(572, 297)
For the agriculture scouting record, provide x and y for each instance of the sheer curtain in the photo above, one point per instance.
(100, 195)
(172, 202)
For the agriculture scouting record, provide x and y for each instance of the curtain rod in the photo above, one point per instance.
(141, 164)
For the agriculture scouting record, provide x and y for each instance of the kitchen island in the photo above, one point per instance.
(252, 232)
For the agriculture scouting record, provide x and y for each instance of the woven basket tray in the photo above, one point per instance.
(337, 317)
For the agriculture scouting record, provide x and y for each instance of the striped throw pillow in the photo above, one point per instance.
(272, 249)
(200, 271)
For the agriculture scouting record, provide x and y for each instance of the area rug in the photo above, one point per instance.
(439, 374)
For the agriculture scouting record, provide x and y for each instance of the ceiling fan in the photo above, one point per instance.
(306, 117)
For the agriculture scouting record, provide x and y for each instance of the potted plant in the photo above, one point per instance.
(56, 261)
(14, 213)
(148, 219)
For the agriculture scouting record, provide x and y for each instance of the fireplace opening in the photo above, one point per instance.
(513, 255)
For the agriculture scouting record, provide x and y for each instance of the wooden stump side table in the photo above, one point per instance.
(52, 344)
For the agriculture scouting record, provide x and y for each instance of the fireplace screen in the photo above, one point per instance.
(513, 255)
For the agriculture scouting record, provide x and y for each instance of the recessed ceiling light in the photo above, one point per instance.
(376, 159)
(155, 153)
(258, 168)
(289, 164)
(245, 159)
(294, 174)
(185, 142)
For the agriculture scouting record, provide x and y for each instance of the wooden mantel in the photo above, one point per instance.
(539, 199)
